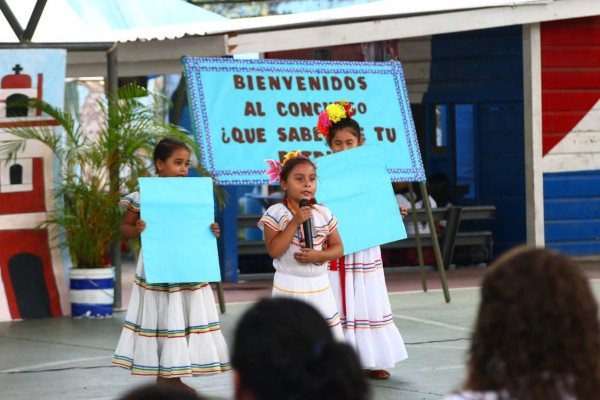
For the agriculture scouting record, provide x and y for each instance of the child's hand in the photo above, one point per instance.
(214, 227)
(303, 214)
(140, 225)
(307, 256)
(403, 211)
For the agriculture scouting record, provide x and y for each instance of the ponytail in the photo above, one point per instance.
(338, 375)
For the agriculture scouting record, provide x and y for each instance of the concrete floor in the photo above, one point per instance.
(64, 358)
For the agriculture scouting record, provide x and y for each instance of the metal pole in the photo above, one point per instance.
(434, 239)
(179, 99)
(69, 46)
(11, 19)
(34, 19)
(112, 73)
(413, 211)
(112, 81)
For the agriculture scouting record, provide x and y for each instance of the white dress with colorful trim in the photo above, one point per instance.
(307, 282)
(171, 329)
(365, 311)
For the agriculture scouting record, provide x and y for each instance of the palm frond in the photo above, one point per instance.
(28, 132)
(96, 171)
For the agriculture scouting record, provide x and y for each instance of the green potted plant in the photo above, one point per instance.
(94, 172)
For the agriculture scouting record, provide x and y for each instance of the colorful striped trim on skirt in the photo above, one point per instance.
(334, 320)
(172, 372)
(367, 324)
(168, 287)
(364, 268)
(172, 334)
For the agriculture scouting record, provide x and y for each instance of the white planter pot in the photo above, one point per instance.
(92, 292)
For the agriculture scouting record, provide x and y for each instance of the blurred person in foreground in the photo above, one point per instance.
(537, 335)
(156, 392)
(284, 350)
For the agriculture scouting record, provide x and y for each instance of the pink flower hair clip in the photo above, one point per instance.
(275, 166)
(273, 171)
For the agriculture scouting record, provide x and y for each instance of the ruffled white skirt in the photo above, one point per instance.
(171, 330)
(316, 291)
(366, 315)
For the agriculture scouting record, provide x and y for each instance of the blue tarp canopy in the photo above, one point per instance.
(143, 29)
(133, 14)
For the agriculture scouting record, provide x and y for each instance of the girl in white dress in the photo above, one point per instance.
(357, 279)
(301, 272)
(172, 329)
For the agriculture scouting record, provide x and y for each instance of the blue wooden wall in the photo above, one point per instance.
(484, 68)
(572, 212)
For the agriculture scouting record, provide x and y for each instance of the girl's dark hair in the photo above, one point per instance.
(537, 334)
(166, 147)
(290, 164)
(341, 124)
(283, 349)
(405, 191)
(439, 188)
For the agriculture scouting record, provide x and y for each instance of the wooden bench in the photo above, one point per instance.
(449, 239)
(250, 247)
(452, 236)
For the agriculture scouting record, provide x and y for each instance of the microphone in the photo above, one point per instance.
(307, 226)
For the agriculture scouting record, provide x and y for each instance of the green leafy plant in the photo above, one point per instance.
(96, 171)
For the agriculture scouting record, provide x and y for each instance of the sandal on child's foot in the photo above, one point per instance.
(378, 374)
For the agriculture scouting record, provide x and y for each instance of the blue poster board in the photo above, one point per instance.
(178, 245)
(355, 186)
(246, 111)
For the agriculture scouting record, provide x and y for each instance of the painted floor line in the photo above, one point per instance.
(53, 364)
(453, 289)
(430, 322)
(434, 290)
(394, 293)
(429, 346)
(437, 368)
(403, 292)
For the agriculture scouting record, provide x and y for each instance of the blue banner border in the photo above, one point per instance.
(194, 66)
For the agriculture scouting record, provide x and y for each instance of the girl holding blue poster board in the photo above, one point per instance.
(357, 279)
(171, 329)
(301, 271)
